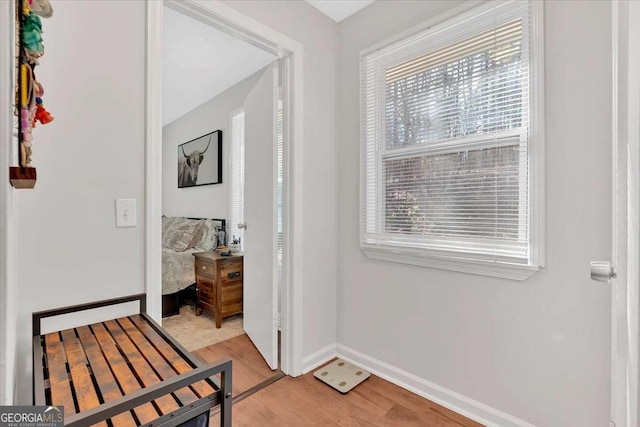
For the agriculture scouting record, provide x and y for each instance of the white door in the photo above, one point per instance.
(260, 250)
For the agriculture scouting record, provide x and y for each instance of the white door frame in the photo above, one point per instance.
(230, 20)
(633, 210)
(626, 215)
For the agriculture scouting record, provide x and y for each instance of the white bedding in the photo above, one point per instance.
(177, 270)
(177, 266)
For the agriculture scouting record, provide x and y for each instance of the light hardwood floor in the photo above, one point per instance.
(305, 401)
(249, 368)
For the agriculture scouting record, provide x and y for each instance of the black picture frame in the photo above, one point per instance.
(195, 168)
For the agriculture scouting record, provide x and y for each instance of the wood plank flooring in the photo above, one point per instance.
(305, 401)
(249, 368)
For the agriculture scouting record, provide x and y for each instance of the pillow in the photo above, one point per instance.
(167, 221)
(182, 234)
(209, 238)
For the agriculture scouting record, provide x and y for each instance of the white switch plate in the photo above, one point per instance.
(126, 213)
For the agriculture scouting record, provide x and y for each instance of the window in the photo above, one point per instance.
(280, 173)
(450, 139)
(236, 189)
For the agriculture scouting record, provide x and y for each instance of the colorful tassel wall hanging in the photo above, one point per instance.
(29, 91)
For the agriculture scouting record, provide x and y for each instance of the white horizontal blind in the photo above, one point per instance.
(280, 171)
(237, 177)
(445, 138)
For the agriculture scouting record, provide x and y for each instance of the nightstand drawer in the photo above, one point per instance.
(205, 269)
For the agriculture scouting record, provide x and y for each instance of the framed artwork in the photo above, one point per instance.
(200, 161)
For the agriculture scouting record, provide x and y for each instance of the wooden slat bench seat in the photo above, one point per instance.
(124, 372)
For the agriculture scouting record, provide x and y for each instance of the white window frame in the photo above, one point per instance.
(408, 253)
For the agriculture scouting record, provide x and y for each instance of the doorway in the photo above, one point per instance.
(289, 55)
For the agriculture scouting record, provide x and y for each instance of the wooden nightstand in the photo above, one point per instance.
(219, 284)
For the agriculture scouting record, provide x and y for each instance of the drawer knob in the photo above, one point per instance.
(204, 267)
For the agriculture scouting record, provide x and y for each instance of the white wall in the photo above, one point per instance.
(540, 349)
(305, 24)
(69, 250)
(7, 213)
(210, 201)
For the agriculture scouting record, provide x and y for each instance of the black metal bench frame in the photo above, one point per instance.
(130, 401)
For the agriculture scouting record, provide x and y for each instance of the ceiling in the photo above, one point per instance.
(200, 62)
(339, 9)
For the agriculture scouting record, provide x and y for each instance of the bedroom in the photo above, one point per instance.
(213, 83)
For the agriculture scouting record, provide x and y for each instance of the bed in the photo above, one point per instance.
(181, 237)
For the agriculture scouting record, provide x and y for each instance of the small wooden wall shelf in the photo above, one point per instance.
(22, 178)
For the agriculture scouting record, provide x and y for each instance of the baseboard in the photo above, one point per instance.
(318, 358)
(463, 405)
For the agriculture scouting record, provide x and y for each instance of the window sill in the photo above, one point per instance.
(412, 256)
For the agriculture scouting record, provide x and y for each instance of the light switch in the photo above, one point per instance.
(126, 212)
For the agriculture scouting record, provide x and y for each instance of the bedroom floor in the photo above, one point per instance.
(195, 332)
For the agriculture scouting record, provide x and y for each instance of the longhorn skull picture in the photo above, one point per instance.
(197, 164)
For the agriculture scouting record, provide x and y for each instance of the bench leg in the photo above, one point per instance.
(227, 397)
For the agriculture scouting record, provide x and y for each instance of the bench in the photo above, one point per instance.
(125, 372)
